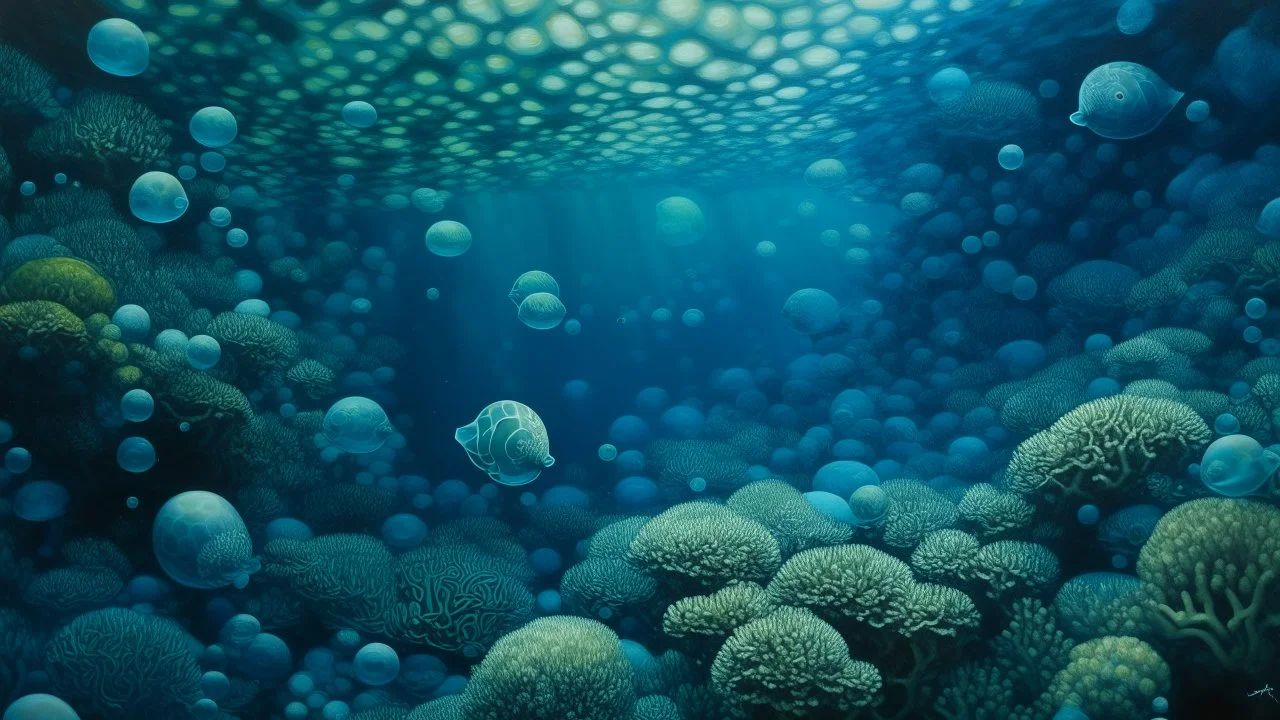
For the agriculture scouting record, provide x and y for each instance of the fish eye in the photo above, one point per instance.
(1119, 96)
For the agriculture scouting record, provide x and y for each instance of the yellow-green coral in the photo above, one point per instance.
(43, 325)
(1111, 678)
(67, 281)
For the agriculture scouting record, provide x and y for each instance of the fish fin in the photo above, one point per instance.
(1079, 119)
(548, 461)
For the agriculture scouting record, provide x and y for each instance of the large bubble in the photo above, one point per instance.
(680, 221)
(541, 311)
(1237, 465)
(811, 311)
(214, 126)
(448, 238)
(119, 47)
(158, 197)
(201, 542)
(357, 425)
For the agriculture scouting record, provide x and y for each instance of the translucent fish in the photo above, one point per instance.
(1124, 100)
(508, 441)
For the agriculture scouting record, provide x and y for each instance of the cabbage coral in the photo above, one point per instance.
(790, 663)
(1208, 569)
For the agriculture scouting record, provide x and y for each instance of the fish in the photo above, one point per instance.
(1124, 100)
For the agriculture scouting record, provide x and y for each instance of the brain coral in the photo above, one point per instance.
(456, 598)
(1105, 449)
(119, 664)
(554, 668)
(347, 580)
(790, 663)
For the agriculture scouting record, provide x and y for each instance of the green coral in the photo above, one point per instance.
(46, 326)
(1112, 678)
(25, 86)
(1208, 570)
(792, 663)
(1013, 567)
(605, 588)
(614, 540)
(994, 513)
(195, 397)
(718, 614)
(915, 510)
(1094, 604)
(312, 377)
(109, 136)
(258, 345)
(655, 707)
(118, 664)
(69, 282)
(858, 582)
(945, 556)
(1105, 449)
(706, 546)
(554, 668)
(794, 522)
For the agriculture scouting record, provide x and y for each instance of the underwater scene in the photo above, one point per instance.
(639, 359)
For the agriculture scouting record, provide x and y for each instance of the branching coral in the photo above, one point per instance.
(1014, 567)
(795, 522)
(1105, 449)
(792, 662)
(705, 546)
(259, 345)
(945, 556)
(994, 513)
(915, 510)
(604, 588)
(718, 614)
(551, 669)
(113, 137)
(1094, 604)
(25, 86)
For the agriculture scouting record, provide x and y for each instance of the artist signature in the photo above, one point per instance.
(1266, 690)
